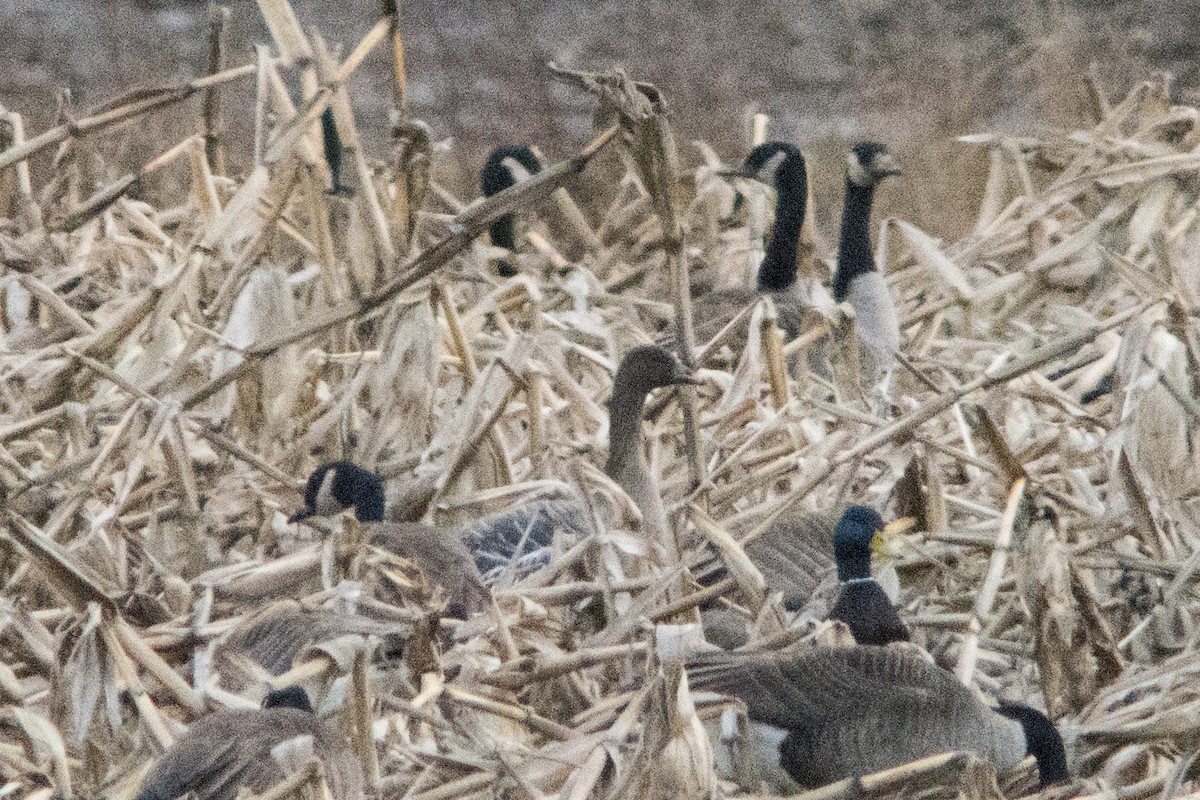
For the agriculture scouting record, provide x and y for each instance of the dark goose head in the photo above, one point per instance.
(288, 697)
(867, 164)
(496, 176)
(338, 485)
(645, 368)
(642, 370)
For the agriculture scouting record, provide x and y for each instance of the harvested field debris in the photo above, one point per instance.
(173, 370)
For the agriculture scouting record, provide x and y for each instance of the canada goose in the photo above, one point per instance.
(514, 541)
(642, 369)
(857, 278)
(795, 555)
(800, 554)
(228, 750)
(441, 555)
(501, 170)
(782, 167)
(841, 712)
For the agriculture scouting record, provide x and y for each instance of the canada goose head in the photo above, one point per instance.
(288, 697)
(1043, 740)
(505, 166)
(774, 163)
(868, 163)
(648, 367)
(781, 166)
(853, 539)
(338, 485)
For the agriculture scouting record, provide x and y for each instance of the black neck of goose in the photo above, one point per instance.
(333, 147)
(368, 497)
(777, 271)
(498, 176)
(504, 232)
(1042, 740)
(854, 247)
(625, 426)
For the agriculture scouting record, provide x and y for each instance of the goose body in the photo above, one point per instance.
(795, 556)
(857, 710)
(444, 559)
(857, 278)
(441, 555)
(231, 750)
(503, 168)
(642, 369)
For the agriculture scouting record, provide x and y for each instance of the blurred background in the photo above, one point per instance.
(914, 74)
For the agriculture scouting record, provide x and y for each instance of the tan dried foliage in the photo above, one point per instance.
(170, 371)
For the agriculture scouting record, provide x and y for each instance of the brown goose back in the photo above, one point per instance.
(795, 555)
(229, 750)
(275, 634)
(442, 557)
(853, 711)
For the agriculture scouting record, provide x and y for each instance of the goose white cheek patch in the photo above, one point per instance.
(856, 171)
(765, 739)
(766, 173)
(326, 504)
(516, 169)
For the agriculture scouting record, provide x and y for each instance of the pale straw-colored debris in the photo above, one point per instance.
(171, 369)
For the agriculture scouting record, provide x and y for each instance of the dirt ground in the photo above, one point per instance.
(912, 74)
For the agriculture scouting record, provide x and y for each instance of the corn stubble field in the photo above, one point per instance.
(173, 370)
